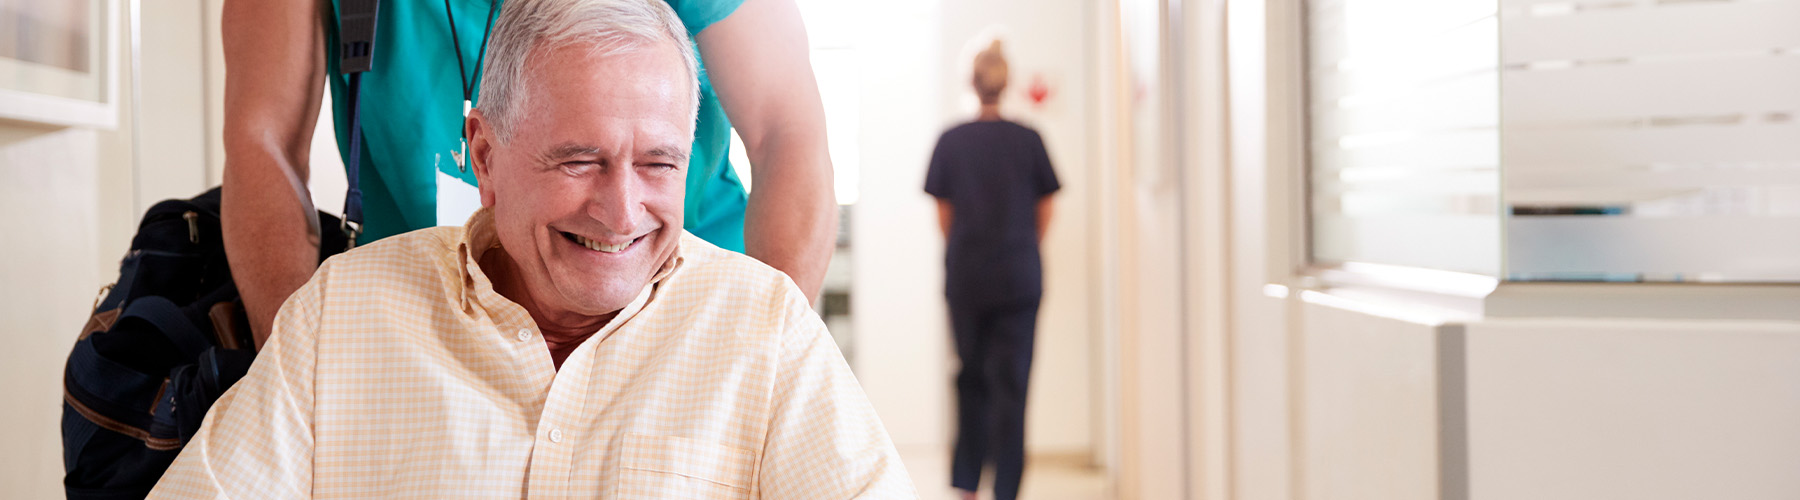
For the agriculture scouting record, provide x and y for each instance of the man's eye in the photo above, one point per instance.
(576, 167)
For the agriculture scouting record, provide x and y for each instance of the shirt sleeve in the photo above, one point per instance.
(937, 176)
(823, 421)
(257, 441)
(699, 14)
(1043, 173)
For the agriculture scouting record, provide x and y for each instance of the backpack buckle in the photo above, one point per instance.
(193, 223)
(101, 297)
(351, 231)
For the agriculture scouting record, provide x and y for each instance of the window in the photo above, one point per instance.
(1589, 140)
(1404, 133)
(1651, 141)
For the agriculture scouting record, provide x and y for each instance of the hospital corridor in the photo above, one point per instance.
(1065, 249)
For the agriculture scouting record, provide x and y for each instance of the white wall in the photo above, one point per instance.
(1262, 157)
(74, 200)
(1154, 432)
(1392, 402)
(1618, 408)
(49, 189)
(896, 294)
(169, 123)
(914, 87)
(1368, 401)
(171, 126)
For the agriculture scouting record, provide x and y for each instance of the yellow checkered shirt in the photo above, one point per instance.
(398, 372)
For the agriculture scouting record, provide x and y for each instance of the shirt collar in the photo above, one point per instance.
(479, 236)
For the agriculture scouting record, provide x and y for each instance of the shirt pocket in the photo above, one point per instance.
(670, 467)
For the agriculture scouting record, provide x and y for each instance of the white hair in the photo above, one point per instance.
(609, 26)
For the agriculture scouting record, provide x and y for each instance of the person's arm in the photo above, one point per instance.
(824, 438)
(274, 73)
(1047, 185)
(937, 184)
(1043, 217)
(760, 64)
(946, 213)
(257, 440)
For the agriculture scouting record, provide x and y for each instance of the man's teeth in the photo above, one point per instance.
(598, 247)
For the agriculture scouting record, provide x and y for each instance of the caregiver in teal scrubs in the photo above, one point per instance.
(755, 76)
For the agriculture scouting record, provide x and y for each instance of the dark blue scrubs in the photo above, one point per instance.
(993, 173)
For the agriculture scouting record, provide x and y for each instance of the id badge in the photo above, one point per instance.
(456, 200)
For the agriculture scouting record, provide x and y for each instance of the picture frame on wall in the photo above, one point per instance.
(58, 62)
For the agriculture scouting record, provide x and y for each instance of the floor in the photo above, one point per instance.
(1046, 477)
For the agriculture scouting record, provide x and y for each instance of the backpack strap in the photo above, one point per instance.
(114, 396)
(122, 399)
(356, 54)
(168, 320)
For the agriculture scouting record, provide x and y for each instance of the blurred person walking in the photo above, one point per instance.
(993, 183)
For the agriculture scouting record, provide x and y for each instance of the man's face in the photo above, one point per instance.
(587, 192)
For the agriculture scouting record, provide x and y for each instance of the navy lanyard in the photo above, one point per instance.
(463, 77)
(356, 54)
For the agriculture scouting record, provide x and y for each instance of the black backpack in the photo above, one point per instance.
(168, 338)
(163, 344)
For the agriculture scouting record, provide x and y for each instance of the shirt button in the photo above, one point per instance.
(524, 334)
(556, 435)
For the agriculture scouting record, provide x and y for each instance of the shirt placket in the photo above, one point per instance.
(553, 446)
(514, 330)
(565, 420)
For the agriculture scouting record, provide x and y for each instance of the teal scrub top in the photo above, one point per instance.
(412, 119)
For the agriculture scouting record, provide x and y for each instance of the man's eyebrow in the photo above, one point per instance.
(670, 152)
(568, 150)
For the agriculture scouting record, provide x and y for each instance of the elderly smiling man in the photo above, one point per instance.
(571, 340)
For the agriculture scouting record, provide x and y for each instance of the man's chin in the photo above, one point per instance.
(597, 299)
(595, 283)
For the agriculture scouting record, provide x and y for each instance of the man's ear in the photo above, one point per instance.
(480, 134)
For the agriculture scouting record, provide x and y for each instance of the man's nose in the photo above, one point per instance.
(617, 200)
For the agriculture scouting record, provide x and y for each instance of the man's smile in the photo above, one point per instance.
(598, 246)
